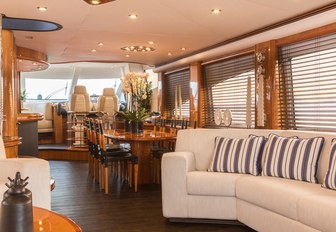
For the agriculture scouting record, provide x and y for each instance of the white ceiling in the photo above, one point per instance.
(172, 24)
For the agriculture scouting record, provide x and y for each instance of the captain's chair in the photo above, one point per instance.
(80, 100)
(108, 102)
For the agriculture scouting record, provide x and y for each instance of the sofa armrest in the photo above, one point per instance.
(175, 166)
(37, 170)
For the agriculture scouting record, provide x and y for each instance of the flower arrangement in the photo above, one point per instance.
(137, 91)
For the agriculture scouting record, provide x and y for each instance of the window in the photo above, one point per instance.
(307, 84)
(46, 89)
(225, 85)
(175, 81)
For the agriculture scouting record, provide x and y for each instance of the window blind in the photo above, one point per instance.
(307, 84)
(225, 85)
(177, 80)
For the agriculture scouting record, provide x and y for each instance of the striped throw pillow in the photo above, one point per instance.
(292, 158)
(237, 155)
(330, 178)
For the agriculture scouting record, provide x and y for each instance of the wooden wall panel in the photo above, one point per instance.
(195, 79)
(269, 85)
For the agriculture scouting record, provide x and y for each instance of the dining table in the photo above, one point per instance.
(140, 145)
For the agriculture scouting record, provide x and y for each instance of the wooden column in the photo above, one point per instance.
(9, 104)
(195, 83)
(266, 69)
(161, 94)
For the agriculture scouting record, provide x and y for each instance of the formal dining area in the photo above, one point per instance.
(167, 116)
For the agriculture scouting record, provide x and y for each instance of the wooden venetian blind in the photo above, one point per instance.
(180, 80)
(225, 85)
(307, 84)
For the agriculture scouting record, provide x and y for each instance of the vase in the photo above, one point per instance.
(128, 126)
(137, 127)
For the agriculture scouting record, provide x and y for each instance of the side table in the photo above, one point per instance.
(49, 221)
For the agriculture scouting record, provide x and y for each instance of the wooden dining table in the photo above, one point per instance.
(141, 147)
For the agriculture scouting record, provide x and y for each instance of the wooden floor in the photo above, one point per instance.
(122, 210)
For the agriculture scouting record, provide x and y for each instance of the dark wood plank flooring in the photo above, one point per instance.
(122, 210)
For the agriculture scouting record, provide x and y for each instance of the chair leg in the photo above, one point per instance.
(129, 171)
(89, 164)
(157, 171)
(136, 177)
(96, 170)
(106, 180)
(102, 168)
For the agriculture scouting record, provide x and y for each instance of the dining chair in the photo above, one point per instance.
(119, 158)
(160, 147)
(169, 146)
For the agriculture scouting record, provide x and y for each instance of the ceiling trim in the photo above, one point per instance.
(305, 15)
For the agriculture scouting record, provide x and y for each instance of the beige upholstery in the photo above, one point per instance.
(108, 102)
(80, 100)
(263, 203)
(37, 170)
(45, 108)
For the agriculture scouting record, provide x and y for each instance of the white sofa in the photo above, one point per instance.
(261, 202)
(37, 170)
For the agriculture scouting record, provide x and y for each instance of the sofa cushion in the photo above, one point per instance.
(275, 194)
(330, 178)
(319, 210)
(212, 183)
(292, 158)
(237, 155)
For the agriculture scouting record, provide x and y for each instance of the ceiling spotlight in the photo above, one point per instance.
(127, 55)
(133, 16)
(138, 49)
(100, 43)
(97, 2)
(183, 49)
(151, 42)
(169, 54)
(42, 8)
(216, 11)
(93, 50)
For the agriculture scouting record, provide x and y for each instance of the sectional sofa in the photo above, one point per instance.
(193, 187)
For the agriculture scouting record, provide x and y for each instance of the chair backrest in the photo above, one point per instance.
(108, 102)
(80, 100)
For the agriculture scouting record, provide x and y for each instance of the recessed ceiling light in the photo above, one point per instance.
(133, 16)
(183, 49)
(93, 50)
(20, 60)
(42, 8)
(34, 63)
(95, 2)
(127, 55)
(216, 11)
(100, 43)
(151, 42)
(138, 49)
(169, 54)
